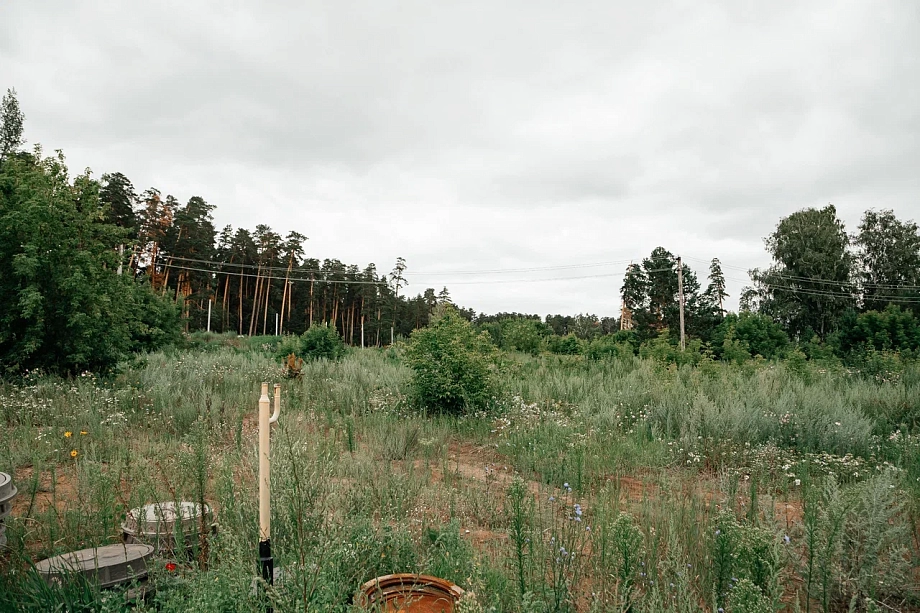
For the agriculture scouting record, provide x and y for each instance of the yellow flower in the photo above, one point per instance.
(73, 453)
(83, 432)
(68, 434)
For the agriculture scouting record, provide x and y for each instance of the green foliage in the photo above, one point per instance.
(663, 350)
(855, 546)
(808, 288)
(449, 555)
(11, 120)
(751, 334)
(320, 341)
(890, 330)
(889, 257)
(453, 367)
(522, 335)
(565, 345)
(609, 346)
(63, 307)
(743, 551)
(747, 597)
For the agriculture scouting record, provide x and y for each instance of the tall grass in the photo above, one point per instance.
(618, 485)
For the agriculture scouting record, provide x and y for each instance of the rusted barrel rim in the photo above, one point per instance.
(406, 583)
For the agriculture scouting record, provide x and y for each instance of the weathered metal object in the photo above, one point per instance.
(167, 526)
(7, 493)
(109, 566)
(2, 535)
(409, 593)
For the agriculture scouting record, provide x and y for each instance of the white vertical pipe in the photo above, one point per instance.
(264, 467)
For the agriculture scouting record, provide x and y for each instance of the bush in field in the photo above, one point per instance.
(664, 351)
(522, 335)
(452, 366)
(751, 332)
(320, 341)
(565, 345)
(888, 330)
(609, 346)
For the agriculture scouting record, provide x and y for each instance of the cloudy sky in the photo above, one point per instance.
(483, 136)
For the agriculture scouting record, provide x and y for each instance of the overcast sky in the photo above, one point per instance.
(471, 136)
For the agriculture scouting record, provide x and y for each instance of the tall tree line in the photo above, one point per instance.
(254, 277)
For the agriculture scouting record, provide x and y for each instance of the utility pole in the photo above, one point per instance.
(680, 293)
(276, 324)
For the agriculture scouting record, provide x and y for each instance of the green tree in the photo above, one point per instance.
(756, 333)
(63, 306)
(11, 120)
(892, 329)
(397, 279)
(809, 286)
(118, 195)
(888, 259)
(521, 335)
(453, 367)
(715, 292)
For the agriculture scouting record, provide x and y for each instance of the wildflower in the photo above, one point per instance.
(786, 539)
(74, 453)
(578, 510)
(552, 498)
(798, 482)
(68, 434)
(566, 485)
(171, 566)
(83, 432)
(718, 532)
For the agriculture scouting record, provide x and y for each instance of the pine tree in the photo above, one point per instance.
(11, 121)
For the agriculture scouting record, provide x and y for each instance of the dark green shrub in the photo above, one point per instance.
(522, 335)
(609, 346)
(453, 367)
(753, 333)
(565, 345)
(320, 341)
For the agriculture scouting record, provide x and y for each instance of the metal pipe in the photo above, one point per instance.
(277, 410)
(266, 561)
(264, 466)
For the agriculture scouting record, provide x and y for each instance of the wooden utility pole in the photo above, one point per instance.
(680, 293)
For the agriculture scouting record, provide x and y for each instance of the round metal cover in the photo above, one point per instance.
(6, 486)
(108, 565)
(409, 593)
(165, 524)
(6, 504)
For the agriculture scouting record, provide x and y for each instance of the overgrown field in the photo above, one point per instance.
(612, 485)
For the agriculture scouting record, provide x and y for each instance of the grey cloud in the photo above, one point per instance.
(482, 134)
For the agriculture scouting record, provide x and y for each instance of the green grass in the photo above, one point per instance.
(658, 459)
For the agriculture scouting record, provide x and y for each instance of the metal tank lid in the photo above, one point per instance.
(110, 564)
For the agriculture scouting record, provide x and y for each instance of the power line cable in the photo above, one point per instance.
(358, 282)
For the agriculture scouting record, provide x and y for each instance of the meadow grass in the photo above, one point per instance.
(617, 485)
